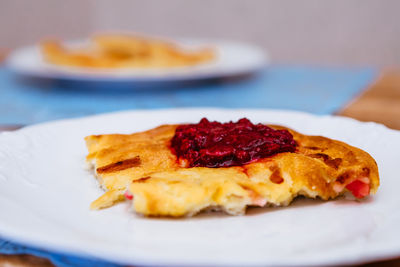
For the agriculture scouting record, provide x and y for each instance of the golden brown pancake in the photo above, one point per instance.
(123, 51)
(143, 165)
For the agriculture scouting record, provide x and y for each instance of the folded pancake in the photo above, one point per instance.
(142, 166)
(123, 51)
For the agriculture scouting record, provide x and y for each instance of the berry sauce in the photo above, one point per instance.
(215, 144)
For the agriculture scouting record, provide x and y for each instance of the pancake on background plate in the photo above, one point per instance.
(122, 51)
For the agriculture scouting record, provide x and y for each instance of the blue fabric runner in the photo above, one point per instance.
(312, 89)
(58, 259)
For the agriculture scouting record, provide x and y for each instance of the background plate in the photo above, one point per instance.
(233, 59)
(45, 192)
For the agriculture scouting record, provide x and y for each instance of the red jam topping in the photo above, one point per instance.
(215, 144)
(358, 188)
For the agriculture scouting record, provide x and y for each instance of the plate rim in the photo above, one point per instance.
(184, 74)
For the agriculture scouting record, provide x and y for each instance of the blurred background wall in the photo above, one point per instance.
(25, 22)
(357, 32)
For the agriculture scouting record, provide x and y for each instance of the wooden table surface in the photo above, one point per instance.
(380, 103)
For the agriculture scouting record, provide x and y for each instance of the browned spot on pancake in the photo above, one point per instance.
(365, 171)
(344, 176)
(141, 180)
(333, 163)
(120, 165)
(314, 148)
(276, 176)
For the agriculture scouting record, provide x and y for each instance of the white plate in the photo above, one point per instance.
(232, 58)
(45, 193)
